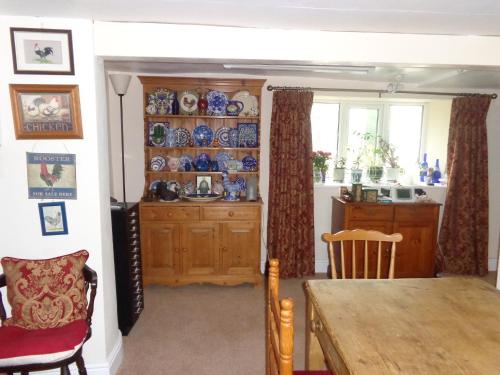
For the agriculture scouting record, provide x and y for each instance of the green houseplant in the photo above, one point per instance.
(371, 156)
(390, 159)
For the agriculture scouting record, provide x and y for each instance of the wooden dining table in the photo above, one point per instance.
(448, 326)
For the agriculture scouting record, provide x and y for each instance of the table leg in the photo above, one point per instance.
(314, 355)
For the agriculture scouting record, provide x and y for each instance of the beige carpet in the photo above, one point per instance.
(212, 330)
(205, 329)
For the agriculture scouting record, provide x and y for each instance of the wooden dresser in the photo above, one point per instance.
(186, 242)
(417, 222)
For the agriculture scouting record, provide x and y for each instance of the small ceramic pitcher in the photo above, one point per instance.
(234, 107)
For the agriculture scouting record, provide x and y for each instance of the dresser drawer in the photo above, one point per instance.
(170, 213)
(414, 212)
(371, 212)
(230, 213)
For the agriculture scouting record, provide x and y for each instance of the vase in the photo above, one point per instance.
(356, 175)
(323, 177)
(392, 174)
(317, 176)
(375, 173)
(338, 174)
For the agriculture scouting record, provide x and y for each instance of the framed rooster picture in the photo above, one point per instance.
(53, 218)
(46, 111)
(51, 176)
(42, 51)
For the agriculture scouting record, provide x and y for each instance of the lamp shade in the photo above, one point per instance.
(120, 83)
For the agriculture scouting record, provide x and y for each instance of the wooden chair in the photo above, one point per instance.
(279, 338)
(25, 348)
(348, 240)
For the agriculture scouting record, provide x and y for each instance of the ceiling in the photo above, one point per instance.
(455, 17)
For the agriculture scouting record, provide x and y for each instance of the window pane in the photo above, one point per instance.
(360, 121)
(405, 123)
(325, 124)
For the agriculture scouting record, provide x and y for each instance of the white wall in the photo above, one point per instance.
(122, 41)
(89, 215)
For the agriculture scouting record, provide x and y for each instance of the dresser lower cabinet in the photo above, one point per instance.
(217, 242)
(417, 222)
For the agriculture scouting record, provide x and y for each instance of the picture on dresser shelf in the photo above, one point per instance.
(203, 185)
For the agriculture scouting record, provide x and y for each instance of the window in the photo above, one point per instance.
(337, 126)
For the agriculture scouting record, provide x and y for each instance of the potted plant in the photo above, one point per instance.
(320, 164)
(339, 169)
(390, 159)
(356, 171)
(371, 155)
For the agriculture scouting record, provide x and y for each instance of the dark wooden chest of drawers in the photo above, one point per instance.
(128, 267)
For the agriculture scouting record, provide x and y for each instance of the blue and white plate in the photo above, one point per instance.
(157, 133)
(157, 163)
(247, 135)
(249, 163)
(217, 102)
(221, 158)
(222, 135)
(203, 136)
(182, 137)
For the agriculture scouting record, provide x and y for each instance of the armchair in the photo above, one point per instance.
(51, 319)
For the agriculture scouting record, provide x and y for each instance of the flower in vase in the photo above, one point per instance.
(320, 160)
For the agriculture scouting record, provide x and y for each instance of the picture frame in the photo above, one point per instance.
(51, 176)
(42, 51)
(370, 195)
(46, 111)
(203, 185)
(53, 219)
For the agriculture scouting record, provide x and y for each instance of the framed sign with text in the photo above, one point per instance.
(46, 111)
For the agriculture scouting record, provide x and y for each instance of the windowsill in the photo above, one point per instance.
(331, 184)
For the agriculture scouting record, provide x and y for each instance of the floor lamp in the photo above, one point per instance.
(120, 84)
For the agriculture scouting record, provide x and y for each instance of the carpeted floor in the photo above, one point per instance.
(209, 330)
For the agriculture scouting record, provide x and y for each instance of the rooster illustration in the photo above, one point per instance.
(188, 103)
(43, 53)
(50, 178)
(54, 221)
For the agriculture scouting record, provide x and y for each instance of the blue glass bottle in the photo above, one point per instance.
(175, 105)
(424, 166)
(436, 175)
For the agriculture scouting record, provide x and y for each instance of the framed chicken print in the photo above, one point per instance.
(53, 218)
(51, 176)
(42, 51)
(46, 111)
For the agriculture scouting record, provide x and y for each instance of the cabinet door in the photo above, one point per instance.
(200, 251)
(240, 248)
(415, 255)
(160, 244)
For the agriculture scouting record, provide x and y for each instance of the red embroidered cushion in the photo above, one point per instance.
(46, 293)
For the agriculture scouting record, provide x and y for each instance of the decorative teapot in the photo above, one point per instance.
(234, 107)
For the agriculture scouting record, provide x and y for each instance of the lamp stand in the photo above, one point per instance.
(123, 151)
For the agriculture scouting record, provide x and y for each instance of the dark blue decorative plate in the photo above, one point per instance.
(249, 163)
(217, 102)
(182, 137)
(203, 136)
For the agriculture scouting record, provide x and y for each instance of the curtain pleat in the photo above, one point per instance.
(290, 229)
(463, 237)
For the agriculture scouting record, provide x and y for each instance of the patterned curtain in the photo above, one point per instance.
(290, 228)
(463, 238)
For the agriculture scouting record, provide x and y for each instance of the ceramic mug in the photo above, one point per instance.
(234, 107)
